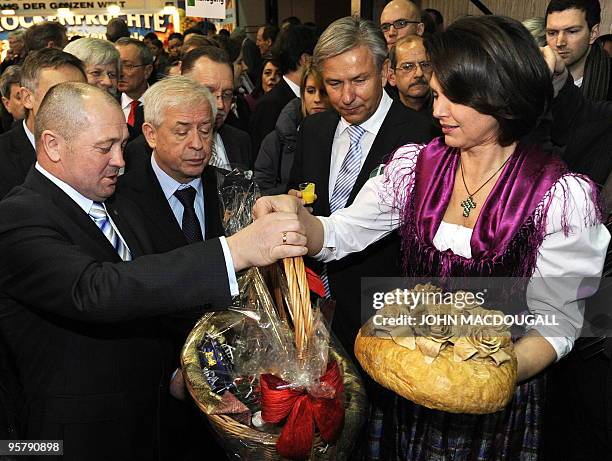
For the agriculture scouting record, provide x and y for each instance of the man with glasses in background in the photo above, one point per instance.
(411, 72)
(136, 68)
(400, 18)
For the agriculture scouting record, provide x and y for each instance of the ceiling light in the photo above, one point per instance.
(113, 9)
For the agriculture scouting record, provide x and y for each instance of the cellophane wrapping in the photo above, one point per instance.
(227, 352)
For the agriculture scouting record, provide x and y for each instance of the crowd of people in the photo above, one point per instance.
(476, 148)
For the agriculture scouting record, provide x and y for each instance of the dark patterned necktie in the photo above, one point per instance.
(191, 224)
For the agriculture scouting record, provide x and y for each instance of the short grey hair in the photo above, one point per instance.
(537, 28)
(94, 51)
(347, 33)
(11, 76)
(63, 109)
(17, 35)
(175, 91)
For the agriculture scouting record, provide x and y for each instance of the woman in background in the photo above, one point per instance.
(275, 159)
(101, 61)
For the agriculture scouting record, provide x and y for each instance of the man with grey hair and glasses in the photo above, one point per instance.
(101, 59)
(339, 150)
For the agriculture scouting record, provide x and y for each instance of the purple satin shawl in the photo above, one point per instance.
(511, 224)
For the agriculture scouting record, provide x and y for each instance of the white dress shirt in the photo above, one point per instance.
(556, 288)
(295, 88)
(29, 134)
(342, 141)
(125, 104)
(169, 187)
(219, 158)
(82, 201)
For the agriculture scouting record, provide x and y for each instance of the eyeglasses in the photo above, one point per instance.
(410, 67)
(226, 96)
(131, 67)
(397, 24)
(98, 74)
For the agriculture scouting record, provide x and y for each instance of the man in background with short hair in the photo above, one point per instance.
(10, 89)
(293, 49)
(116, 29)
(266, 36)
(46, 34)
(572, 26)
(16, 52)
(136, 68)
(411, 72)
(41, 71)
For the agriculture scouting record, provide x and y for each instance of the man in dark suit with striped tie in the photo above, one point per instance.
(81, 293)
(338, 150)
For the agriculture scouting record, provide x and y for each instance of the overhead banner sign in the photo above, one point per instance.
(212, 9)
(50, 7)
(93, 25)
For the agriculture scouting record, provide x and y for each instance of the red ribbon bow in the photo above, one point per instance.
(305, 410)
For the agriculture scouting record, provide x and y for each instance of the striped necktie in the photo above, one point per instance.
(100, 217)
(349, 170)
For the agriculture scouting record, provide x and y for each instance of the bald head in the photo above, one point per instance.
(400, 18)
(65, 107)
(80, 135)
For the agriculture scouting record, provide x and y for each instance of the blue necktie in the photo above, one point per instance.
(100, 217)
(349, 170)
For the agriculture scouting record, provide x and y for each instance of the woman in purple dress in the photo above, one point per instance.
(483, 200)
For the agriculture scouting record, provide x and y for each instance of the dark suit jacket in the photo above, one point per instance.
(141, 186)
(583, 129)
(312, 163)
(136, 130)
(83, 326)
(237, 146)
(269, 107)
(16, 158)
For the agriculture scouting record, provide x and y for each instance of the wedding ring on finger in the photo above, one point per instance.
(284, 238)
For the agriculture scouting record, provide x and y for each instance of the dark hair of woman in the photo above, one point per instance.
(493, 65)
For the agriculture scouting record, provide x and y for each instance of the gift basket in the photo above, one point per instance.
(457, 358)
(266, 372)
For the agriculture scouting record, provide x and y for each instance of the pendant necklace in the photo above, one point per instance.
(469, 204)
